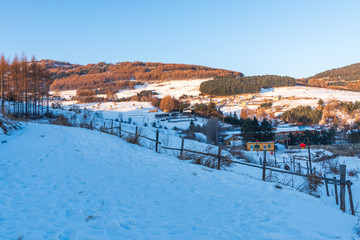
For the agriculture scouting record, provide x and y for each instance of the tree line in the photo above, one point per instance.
(302, 115)
(104, 75)
(224, 86)
(347, 73)
(24, 86)
(324, 137)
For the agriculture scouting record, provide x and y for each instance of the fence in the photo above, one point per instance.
(310, 173)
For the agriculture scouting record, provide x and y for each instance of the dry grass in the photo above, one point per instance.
(353, 172)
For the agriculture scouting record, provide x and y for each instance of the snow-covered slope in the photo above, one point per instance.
(68, 183)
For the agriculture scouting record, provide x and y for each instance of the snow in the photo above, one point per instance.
(291, 97)
(71, 183)
(313, 92)
(174, 88)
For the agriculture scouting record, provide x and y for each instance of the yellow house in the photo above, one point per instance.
(260, 146)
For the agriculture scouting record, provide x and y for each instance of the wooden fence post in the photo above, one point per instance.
(264, 166)
(336, 192)
(307, 168)
(309, 154)
(293, 164)
(342, 186)
(275, 156)
(91, 125)
(136, 133)
(284, 162)
(326, 185)
(104, 127)
(182, 148)
(112, 121)
(157, 140)
(299, 167)
(219, 158)
(350, 198)
(120, 129)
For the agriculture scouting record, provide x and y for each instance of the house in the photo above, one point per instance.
(233, 140)
(260, 146)
(283, 132)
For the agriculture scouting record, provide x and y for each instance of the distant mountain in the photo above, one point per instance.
(346, 78)
(113, 77)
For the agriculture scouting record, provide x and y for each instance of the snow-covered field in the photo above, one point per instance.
(70, 183)
(174, 88)
(319, 93)
(290, 97)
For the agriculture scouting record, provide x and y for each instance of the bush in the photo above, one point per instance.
(132, 139)
(62, 120)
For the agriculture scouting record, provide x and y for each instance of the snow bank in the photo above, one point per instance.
(70, 183)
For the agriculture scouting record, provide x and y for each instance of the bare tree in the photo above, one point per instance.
(212, 129)
(3, 70)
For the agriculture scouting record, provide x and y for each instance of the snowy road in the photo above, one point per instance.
(68, 183)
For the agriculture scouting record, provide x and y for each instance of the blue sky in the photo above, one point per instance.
(295, 38)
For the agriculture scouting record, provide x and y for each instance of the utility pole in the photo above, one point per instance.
(309, 153)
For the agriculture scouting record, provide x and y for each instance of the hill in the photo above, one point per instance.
(224, 86)
(97, 186)
(346, 78)
(347, 73)
(113, 77)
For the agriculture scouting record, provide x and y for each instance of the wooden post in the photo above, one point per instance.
(326, 185)
(119, 129)
(350, 198)
(157, 140)
(294, 170)
(275, 156)
(307, 168)
(219, 158)
(91, 125)
(309, 153)
(336, 192)
(136, 133)
(342, 186)
(112, 121)
(264, 166)
(104, 127)
(299, 167)
(182, 148)
(284, 162)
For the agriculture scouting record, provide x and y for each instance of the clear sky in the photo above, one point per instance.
(291, 37)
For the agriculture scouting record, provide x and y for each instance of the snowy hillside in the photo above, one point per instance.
(70, 183)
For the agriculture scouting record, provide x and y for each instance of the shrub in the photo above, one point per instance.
(62, 120)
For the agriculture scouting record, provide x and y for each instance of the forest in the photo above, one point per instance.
(346, 78)
(114, 77)
(347, 73)
(302, 115)
(24, 87)
(224, 86)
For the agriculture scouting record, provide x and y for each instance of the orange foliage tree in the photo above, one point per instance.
(169, 103)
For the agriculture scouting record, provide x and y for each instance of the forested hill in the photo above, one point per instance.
(113, 77)
(347, 73)
(223, 86)
(344, 78)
